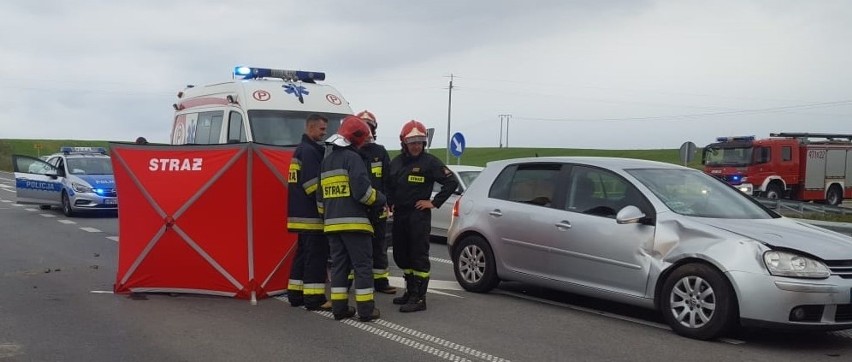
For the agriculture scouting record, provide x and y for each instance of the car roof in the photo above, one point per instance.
(463, 168)
(605, 162)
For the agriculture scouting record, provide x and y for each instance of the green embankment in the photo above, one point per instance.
(35, 148)
(471, 156)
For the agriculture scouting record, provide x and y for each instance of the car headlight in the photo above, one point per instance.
(785, 264)
(78, 187)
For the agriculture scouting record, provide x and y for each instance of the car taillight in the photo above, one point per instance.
(456, 207)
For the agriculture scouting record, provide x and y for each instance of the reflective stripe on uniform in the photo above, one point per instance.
(369, 197)
(320, 208)
(421, 274)
(311, 185)
(295, 167)
(339, 293)
(408, 271)
(304, 223)
(380, 273)
(364, 295)
(376, 169)
(348, 224)
(314, 289)
(294, 284)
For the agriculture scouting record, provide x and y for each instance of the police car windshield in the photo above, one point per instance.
(89, 165)
(285, 128)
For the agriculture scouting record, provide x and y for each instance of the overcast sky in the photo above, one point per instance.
(573, 74)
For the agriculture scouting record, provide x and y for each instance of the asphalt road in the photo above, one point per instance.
(56, 277)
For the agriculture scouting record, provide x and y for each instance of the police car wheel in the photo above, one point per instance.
(66, 205)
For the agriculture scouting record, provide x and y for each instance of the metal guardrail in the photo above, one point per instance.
(801, 207)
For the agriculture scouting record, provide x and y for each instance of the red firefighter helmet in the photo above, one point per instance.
(353, 130)
(370, 118)
(413, 131)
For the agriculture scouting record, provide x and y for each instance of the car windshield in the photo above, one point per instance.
(725, 156)
(693, 193)
(285, 128)
(467, 177)
(89, 165)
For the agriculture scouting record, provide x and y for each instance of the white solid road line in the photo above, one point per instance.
(420, 341)
(90, 229)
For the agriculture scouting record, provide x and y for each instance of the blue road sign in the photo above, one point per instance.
(457, 144)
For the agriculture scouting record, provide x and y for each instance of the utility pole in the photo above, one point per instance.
(449, 116)
(501, 131)
(507, 116)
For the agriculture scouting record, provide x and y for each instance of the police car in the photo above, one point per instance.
(75, 179)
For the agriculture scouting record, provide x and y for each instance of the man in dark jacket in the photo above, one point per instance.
(377, 161)
(345, 196)
(308, 272)
(412, 175)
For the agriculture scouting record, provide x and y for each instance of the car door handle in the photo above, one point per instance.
(496, 212)
(563, 225)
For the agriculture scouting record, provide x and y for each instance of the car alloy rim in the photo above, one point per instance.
(692, 302)
(472, 264)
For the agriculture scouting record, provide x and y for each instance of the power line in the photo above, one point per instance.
(694, 115)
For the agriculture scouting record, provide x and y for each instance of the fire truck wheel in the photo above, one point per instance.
(773, 191)
(834, 196)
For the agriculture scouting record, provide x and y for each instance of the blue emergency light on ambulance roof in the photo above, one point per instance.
(734, 138)
(253, 73)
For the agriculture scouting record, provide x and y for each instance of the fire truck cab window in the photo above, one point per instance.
(763, 155)
(786, 153)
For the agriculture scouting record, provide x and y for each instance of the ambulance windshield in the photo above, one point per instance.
(285, 128)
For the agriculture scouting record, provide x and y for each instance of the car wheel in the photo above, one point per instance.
(474, 266)
(66, 205)
(698, 302)
(773, 191)
(834, 196)
(44, 207)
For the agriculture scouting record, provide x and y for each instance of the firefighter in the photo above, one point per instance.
(412, 175)
(377, 161)
(308, 272)
(346, 196)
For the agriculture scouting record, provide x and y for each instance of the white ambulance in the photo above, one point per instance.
(260, 105)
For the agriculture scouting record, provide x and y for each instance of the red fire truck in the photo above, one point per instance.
(800, 166)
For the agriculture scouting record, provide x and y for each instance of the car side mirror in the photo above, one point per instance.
(52, 175)
(629, 215)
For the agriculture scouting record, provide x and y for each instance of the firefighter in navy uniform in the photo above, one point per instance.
(308, 272)
(412, 175)
(346, 197)
(377, 162)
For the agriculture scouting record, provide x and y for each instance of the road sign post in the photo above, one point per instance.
(687, 152)
(457, 146)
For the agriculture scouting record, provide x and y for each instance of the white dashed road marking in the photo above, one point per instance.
(420, 341)
(48, 215)
(431, 258)
(31, 209)
(6, 201)
(113, 238)
(66, 222)
(18, 205)
(90, 229)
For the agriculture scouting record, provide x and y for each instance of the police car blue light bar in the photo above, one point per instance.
(253, 73)
(66, 150)
(735, 138)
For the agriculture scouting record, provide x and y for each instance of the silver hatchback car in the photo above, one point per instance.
(650, 234)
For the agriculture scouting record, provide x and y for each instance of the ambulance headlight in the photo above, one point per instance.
(81, 188)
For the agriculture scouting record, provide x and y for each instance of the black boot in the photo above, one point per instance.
(373, 315)
(417, 301)
(349, 312)
(409, 286)
(295, 297)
